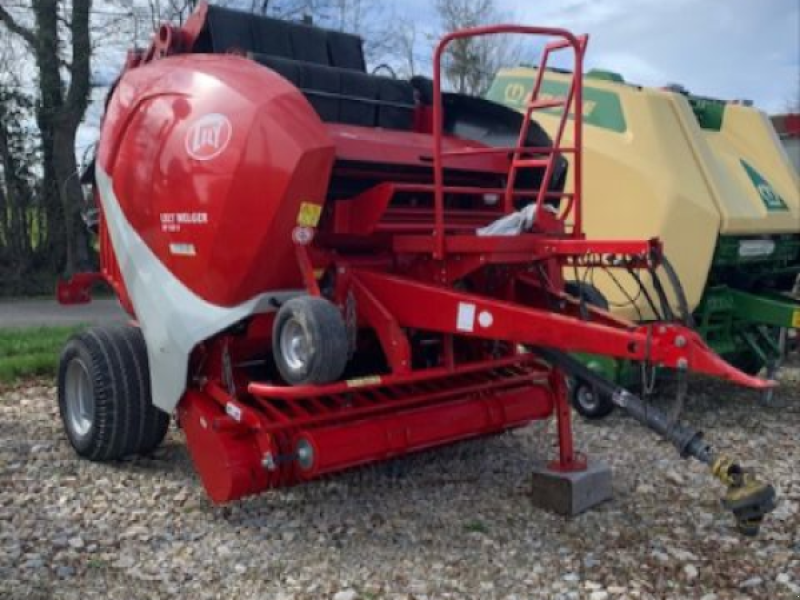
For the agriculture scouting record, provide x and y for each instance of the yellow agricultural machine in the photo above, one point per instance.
(709, 178)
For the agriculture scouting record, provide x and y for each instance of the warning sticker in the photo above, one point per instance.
(465, 320)
(362, 381)
(796, 319)
(309, 214)
(183, 249)
(233, 411)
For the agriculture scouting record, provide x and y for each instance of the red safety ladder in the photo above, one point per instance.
(534, 103)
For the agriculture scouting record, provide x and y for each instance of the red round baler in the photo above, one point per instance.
(326, 267)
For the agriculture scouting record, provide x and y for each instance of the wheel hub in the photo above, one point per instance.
(79, 397)
(295, 346)
(587, 398)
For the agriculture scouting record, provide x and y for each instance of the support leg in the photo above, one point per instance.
(568, 485)
(568, 461)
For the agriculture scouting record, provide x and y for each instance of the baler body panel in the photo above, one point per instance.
(649, 158)
(407, 149)
(763, 192)
(204, 163)
(626, 188)
(212, 158)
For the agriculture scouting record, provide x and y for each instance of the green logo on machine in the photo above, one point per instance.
(601, 108)
(769, 196)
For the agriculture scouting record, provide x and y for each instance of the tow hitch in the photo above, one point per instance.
(749, 499)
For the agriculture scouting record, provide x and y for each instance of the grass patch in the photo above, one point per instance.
(97, 563)
(476, 526)
(31, 352)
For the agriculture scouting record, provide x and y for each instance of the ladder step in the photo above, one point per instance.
(531, 163)
(558, 45)
(547, 103)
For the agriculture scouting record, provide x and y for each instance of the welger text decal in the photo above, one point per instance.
(172, 222)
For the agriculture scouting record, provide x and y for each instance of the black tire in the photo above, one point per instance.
(590, 294)
(320, 326)
(589, 402)
(107, 368)
(154, 421)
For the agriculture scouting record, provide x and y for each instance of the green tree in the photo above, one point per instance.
(469, 65)
(59, 39)
(18, 194)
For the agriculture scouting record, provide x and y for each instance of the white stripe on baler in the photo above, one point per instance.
(172, 317)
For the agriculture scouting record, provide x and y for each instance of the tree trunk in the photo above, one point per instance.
(72, 199)
(54, 246)
(59, 117)
(17, 198)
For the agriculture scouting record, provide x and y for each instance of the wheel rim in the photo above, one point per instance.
(295, 346)
(587, 398)
(79, 398)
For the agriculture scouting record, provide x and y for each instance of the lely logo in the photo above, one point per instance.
(208, 136)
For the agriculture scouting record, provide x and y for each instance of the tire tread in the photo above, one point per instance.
(328, 332)
(125, 420)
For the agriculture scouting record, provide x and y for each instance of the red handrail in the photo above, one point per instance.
(567, 40)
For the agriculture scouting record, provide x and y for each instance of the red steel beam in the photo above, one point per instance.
(449, 311)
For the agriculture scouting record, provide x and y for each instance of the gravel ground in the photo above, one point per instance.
(452, 523)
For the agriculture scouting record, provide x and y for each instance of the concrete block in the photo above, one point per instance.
(571, 493)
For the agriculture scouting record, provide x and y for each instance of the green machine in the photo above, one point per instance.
(709, 178)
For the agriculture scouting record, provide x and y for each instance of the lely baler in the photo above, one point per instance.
(327, 268)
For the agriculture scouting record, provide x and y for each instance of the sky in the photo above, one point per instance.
(727, 49)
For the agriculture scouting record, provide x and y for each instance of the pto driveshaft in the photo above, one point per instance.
(747, 498)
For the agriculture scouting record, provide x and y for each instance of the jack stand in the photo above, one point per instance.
(569, 485)
(749, 499)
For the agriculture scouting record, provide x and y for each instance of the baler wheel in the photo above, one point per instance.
(309, 341)
(588, 401)
(155, 422)
(589, 293)
(104, 394)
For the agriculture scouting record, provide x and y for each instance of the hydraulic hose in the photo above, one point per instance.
(680, 293)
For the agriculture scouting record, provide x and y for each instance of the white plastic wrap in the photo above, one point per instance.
(513, 224)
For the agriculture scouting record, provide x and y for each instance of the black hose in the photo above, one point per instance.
(680, 293)
(647, 295)
(662, 296)
(686, 439)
